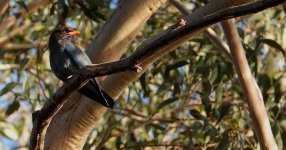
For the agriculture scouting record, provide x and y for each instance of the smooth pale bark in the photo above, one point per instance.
(124, 25)
(71, 126)
(255, 102)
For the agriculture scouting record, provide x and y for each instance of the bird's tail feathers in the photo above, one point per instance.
(94, 92)
(109, 101)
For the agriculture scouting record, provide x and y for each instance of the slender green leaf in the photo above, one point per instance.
(14, 106)
(275, 45)
(223, 110)
(166, 102)
(8, 88)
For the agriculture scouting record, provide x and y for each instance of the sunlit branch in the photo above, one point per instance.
(23, 46)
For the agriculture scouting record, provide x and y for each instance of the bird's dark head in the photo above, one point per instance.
(62, 34)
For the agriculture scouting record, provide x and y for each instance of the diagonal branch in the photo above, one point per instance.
(122, 80)
(180, 30)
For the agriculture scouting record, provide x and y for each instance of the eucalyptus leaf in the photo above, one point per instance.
(14, 106)
(10, 86)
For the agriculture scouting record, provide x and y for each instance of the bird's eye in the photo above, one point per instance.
(66, 31)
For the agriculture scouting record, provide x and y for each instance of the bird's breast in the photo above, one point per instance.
(62, 65)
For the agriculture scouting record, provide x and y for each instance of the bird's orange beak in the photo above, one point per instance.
(74, 33)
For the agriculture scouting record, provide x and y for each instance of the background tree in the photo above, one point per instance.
(194, 91)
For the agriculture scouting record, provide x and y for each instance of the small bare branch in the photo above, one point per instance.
(23, 46)
(8, 66)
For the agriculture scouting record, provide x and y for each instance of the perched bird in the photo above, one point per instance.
(66, 58)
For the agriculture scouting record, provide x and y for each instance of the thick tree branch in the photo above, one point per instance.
(180, 30)
(253, 95)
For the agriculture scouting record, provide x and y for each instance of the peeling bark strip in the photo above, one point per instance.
(180, 24)
(149, 50)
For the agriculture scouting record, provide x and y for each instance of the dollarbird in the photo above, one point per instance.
(66, 59)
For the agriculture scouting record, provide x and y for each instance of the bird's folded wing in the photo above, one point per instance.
(78, 57)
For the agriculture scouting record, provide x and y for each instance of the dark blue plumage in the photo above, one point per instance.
(66, 58)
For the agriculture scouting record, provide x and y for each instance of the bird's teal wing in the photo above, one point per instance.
(77, 55)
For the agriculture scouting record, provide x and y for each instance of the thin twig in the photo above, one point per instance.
(9, 66)
(23, 46)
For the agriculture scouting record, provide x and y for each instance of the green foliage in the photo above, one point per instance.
(191, 98)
